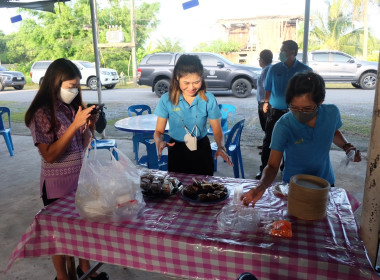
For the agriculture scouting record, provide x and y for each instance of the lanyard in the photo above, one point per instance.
(195, 124)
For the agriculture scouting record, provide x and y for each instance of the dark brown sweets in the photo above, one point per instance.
(158, 185)
(205, 191)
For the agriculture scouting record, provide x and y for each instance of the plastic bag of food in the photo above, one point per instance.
(281, 228)
(108, 189)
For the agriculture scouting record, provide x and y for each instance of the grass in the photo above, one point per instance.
(339, 85)
(359, 125)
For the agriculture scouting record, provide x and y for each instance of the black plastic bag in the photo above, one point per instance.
(101, 123)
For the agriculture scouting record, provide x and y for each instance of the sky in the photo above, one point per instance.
(198, 24)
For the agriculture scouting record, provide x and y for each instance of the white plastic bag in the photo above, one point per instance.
(108, 189)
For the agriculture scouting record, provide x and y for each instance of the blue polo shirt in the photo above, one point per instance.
(189, 115)
(277, 80)
(306, 149)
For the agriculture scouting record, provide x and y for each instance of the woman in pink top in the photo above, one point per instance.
(61, 128)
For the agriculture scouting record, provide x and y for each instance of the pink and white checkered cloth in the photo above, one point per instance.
(174, 237)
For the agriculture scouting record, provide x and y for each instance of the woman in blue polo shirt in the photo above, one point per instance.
(304, 135)
(188, 106)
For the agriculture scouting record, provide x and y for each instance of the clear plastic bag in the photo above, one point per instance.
(236, 216)
(108, 189)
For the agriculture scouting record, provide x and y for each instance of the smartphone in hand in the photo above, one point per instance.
(99, 107)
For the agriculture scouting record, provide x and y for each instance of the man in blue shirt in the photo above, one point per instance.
(275, 87)
(265, 61)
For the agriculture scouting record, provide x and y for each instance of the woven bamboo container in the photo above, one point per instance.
(308, 197)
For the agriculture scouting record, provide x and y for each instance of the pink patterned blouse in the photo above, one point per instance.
(61, 176)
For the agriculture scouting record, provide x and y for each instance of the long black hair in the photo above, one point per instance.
(58, 71)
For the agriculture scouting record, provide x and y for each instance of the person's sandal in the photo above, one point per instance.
(100, 276)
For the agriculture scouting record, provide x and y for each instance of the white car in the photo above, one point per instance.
(108, 77)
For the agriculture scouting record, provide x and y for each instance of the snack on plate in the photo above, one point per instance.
(205, 191)
(158, 185)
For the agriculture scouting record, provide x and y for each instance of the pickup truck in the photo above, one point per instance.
(339, 67)
(155, 70)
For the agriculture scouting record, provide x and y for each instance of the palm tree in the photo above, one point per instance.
(338, 31)
(166, 45)
(330, 33)
(360, 12)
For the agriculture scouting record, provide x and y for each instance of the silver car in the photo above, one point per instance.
(13, 79)
(339, 67)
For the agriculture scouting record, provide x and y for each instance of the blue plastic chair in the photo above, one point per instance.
(150, 160)
(228, 115)
(135, 110)
(6, 132)
(105, 144)
(233, 149)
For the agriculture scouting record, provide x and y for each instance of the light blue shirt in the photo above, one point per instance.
(277, 80)
(306, 149)
(188, 115)
(260, 93)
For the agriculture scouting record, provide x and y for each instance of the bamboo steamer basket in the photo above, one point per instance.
(308, 197)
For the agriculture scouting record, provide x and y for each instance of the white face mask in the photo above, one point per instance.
(67, 95)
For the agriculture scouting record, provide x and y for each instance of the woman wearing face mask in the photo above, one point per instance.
(187, 105)
(304, 136)
(61, 127)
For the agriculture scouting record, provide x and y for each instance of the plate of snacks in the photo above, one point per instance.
(158, 186)
(202, 192)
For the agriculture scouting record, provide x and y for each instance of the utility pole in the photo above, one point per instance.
(133, 42)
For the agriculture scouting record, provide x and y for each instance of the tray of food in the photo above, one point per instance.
(159, 186)
(204, 193)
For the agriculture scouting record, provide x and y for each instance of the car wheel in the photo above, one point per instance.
(18, 87)
(1, 87)
(356, 85)
(161, 87)
(368, 81)
(92, 83)
(241, 88)
(110, 86)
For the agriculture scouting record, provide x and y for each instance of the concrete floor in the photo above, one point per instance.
(19, 202)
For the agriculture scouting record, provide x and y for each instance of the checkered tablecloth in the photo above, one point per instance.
(174, 237)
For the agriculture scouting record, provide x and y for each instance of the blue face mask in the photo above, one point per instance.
(283, 56)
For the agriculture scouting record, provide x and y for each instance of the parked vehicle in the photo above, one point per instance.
(38, 69)
(155, 70)
(108, 77)
(13, 79)
(339, 67)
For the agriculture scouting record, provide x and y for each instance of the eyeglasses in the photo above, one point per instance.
(302, 109)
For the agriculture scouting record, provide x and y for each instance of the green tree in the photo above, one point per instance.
(67, 33)
(338, 31)
(219, 46)
(166, 45)
(142, 52)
